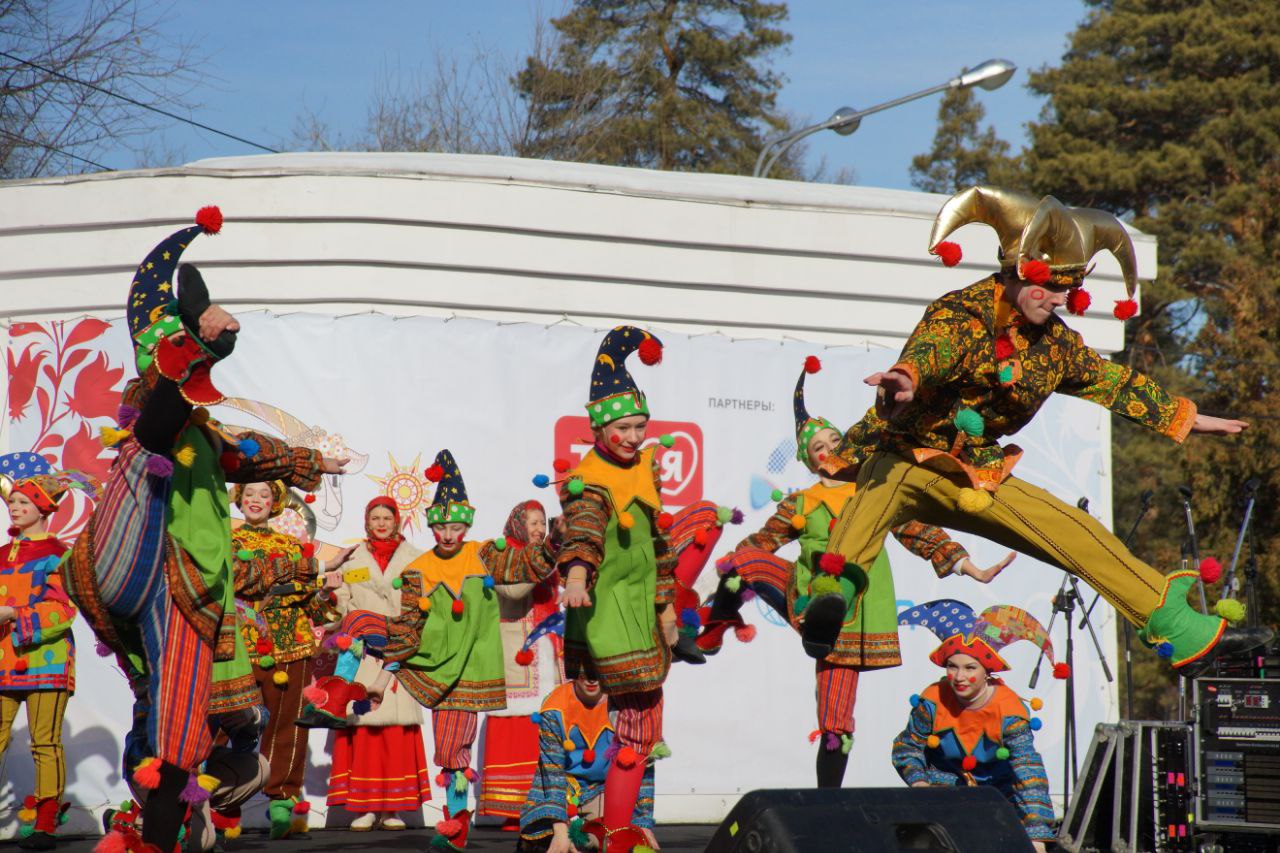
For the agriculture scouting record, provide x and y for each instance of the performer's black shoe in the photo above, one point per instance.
(686, 649)
(193, 301)
(1234, 641)
(38, 841)
(725, 603)
(831, 765)
(821, 627)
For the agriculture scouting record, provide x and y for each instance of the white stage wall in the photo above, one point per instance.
(395, 390)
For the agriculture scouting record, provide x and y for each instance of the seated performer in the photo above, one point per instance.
(151, 574)
(282, 590)
(850, 631)
(968, 728)
(37, 649)
(574, 740)
(980, 364)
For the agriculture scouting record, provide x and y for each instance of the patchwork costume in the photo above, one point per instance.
(37, 648)
(858, 609)
(948, 743)
(152, 571)
(574, 743)
(981, 371)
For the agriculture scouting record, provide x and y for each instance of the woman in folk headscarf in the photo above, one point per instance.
(379, 763)
(509, 751)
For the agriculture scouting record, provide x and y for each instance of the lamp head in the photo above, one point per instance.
(990, 75)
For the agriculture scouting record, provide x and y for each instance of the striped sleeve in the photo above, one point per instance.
(778, 530)
(1031, 785)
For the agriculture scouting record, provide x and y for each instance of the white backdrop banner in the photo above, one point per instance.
(507, 399)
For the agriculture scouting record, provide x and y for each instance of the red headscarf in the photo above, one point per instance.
(516, 530)
(382, 549)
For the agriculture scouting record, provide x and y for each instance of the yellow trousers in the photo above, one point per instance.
(1024, 518)
(44, 723)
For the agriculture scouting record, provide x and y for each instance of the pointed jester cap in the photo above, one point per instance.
(1067, 238)
(614, 393)
(807, 425)
(450, 503)
(1006, 211)
(980, 636)
(152, 292)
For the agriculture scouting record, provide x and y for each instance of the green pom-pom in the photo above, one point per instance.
(1002, 753)
(667, 440)
(824, 584)
(660, 751)
(397, 583)
(459, 782)
(1006, 373)
(266, 661)
(733, 584)
(969, 422)
(244, 554)
(500, 543)
(1230, 609)
(777, 495)
(802, 604)
(295, 556)
(575, 487)
(724, 514)
(577, 837)
(26, 829)
(846, 744)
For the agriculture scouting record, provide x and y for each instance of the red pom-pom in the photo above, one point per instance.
(665, 520)
(1125, 308)
(112, 842)
(343, 641)
(1061, 671)
(14, 530)
(435, 473)
(812, 364)
(20, 665)
(832, 564)
(744, 633)
(301, 807)
(949, 253)
(1036, 272)
(310, 499)
(449, 828)
(524, 657)
(30, 801)
(700, 538)
(650, 351)
(457, 607)
(560, 465)
(814, 735)
(627, 757)
(441, 781)
(1210, 569)
(1004, 347)
(969, 763)
(147, 774)
(210, 219)
(588, 756)
(263, 646)
(229, 461)
(276, 555)
(309, 550)
(1078, 301)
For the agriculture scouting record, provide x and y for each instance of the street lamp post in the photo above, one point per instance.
(990, 75)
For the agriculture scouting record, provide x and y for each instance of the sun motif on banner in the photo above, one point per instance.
(408, 488)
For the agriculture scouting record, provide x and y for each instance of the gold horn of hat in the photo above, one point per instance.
(1006, 211)
(1067, 238)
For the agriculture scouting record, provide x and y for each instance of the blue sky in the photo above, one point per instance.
(266, 60)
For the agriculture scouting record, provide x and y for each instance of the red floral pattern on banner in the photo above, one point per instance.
(73, 383)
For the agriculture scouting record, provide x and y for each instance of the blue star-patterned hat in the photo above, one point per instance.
(980, 636)
(151, 306)
(450, 503)
(614, 393)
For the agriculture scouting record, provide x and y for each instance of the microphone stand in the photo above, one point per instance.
(1229, 585)
(1194, 545)
(1128, 628)
(1064, 602)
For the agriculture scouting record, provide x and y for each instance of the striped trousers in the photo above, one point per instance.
(454, 733)
(638, 719)
(45, 709)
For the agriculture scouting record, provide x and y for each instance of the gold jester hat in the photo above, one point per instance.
(1061, 241)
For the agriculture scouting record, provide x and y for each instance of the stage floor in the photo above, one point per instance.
(676, 838)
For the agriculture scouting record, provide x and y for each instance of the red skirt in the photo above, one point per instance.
(380, 769)
(510, 760)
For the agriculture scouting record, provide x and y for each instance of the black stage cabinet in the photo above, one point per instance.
(871, 820)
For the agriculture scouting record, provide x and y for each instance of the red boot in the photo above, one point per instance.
(187, 363)
(452, 832)
(327, 702)
(621, 840)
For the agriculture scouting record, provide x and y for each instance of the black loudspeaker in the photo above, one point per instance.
(871, 820)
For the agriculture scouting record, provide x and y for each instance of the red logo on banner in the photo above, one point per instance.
(680, 464)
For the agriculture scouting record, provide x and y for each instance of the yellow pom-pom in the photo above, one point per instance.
(424, 603)
(27, 816)
(209, 783)
(932, 741)
(626, 521)
(280, 678)
(186, 456)
(200, 416)
(232, 832)
(974, 501)
(798, 522)
(569, 746)
(299, 826)
(1037, 703)
(1230, 609)
(110, 436)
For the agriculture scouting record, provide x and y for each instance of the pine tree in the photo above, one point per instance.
(1167, 112)
(678, 84)
(962, 154)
